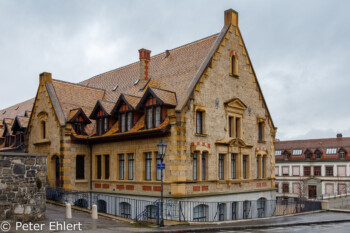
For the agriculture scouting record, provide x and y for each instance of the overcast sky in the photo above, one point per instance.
(300, 50)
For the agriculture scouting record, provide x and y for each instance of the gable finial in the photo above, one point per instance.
(231, 17)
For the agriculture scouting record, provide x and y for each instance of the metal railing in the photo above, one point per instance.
(182, 211)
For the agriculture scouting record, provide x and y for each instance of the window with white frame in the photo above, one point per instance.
(341, 170)
(278, 152)
(285, 171)
(297, 152)
(296, 170)
(276, 171)
(331, 151)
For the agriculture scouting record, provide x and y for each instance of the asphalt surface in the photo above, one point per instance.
(315, 222)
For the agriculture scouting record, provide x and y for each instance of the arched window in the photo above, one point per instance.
(342, 153)
(234, 64)
(318, 154)
(308, 154)
(125, 210)
(261, 207)
(200, 213)
(43, 129)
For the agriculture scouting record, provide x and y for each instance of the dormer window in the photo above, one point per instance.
(125, 118)
(79, 127)
(153, 113)
(342, 153)
(318, 154)
(102, 125)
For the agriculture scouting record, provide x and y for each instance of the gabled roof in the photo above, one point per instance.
(74, 113)
(106, 106)
(130, 100)
(312, 144)
(173, 73)
(17, 109)
(20, 123)
(163, 97)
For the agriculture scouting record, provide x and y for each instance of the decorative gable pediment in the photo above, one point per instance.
(235, 103)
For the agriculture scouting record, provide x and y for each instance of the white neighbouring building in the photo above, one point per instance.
(313, 169)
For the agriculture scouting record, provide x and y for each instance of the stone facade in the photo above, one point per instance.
(224, 89)
(22, 186)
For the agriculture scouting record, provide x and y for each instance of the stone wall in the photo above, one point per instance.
(22, 186)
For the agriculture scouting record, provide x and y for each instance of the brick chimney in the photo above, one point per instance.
(145, 57)
(231, 17)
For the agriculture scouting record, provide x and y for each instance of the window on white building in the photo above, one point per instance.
(341, 170)
(296, 171)
(331, 151)
(285, 171)
(297, 152)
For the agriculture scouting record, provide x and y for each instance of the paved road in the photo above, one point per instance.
(324, 228)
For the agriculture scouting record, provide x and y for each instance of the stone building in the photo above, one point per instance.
(202, 99)
(314, 168)
(13, 124)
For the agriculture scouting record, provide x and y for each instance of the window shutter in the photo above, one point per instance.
(329, 189)
(341, 170)
(296, 171)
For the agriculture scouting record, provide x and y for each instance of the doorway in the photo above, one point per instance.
(312, 192)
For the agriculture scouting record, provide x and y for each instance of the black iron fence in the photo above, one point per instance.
(179, 210)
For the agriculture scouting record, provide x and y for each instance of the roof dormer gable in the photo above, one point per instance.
(125, 103)
(102, 109)
(20, 123)
(78, 116)
(156, 96)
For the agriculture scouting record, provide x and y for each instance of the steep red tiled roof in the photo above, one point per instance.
(108, 106)
(17, 109)
(173, 73)
(313, 143)
(132, 100)
(72, 96)
(167, 97)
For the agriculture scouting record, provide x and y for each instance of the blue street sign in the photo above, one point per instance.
(161, 166)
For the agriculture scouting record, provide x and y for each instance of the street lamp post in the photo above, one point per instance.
(161, 153)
